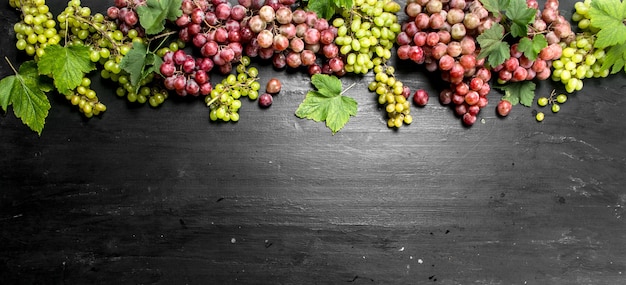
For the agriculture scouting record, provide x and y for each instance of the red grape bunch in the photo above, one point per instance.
(442, 36)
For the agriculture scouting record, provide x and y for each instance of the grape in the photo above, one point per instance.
(504, 108)
(273, 86)
(540, 116)
(266, 100)
(420, 98)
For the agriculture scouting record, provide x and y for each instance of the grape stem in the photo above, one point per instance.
(212, 101)
(347, 88)
(10, 64)
(103, 33)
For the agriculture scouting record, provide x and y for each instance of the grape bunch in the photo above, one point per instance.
(393, 95)
(442, 36)
(556, 29)
(368, 32)
(125, 16)
(37, 27)
(580, 59)
(295, 39)
(85, 99)
(224, 100)
(185, 74)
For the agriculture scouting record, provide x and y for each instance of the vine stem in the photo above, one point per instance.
(348, 88)
(103, 33)
(10, 64)
(212, 101)
(162, 35)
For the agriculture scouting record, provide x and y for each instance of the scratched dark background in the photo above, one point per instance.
(145, 196)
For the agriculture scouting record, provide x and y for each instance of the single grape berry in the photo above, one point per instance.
(266, 100)
(504, 108)
(420, 98)
(542, 101)
(556, 108)
(540, 116)
(561, 98)
(273, 86)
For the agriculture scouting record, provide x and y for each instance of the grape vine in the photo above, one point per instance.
(154, 48)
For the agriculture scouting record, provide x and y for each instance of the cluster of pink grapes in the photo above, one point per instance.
(442, 35)
(124, 13)
(223, 33)
(185, 74)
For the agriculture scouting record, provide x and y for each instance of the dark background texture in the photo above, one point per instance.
(163, 196)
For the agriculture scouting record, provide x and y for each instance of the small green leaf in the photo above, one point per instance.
(152, 16)
(345, 4)
(327, 103)
(521, 16)
(323, 8)
(532, 48)
(492, 46)
(615, 58)
(134, 62)
(495, 6)
(66, 65)
(330, 83)
(608, 16)
(519, 92)
(24, 91)
(139, 63)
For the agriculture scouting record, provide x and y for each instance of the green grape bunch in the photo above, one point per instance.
(224, 100)
(37, 28)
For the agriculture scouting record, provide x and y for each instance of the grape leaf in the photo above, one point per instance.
(152, 16)
(608, 16)
(519, 92)
(66, 65)
(492, 46)
(521, 16)
(531, 48)
(495, 6)
(327, 103)
(139, 62)
(25, 91)
(323, 8)
(615, 58)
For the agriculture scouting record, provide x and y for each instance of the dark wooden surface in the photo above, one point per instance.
(145, 196)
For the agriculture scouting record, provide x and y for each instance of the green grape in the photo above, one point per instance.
(542, 101)
(561, 98)
(540, 116)
(556, 108)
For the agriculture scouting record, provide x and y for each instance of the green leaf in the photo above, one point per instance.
(521, 16)
(519, 92)
(345, 4)
(330, 85)
(66, 65)
(492, 46)
(532, 48)
(495, 6)
(24, 91)
(615, 58)
(608, 16)
(139, 63)
(323, 8)
(327, 103)
(152, 16)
